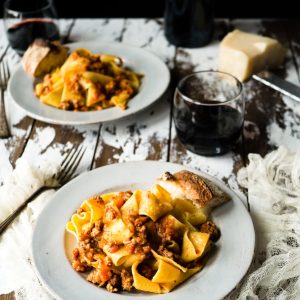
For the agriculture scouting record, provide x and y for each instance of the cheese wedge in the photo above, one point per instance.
(243, 54)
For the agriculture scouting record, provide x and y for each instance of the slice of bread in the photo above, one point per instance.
(43, 56)
(200, 191)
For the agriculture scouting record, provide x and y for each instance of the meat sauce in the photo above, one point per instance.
(159, 236)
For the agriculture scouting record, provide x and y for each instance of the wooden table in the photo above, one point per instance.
(271, 119)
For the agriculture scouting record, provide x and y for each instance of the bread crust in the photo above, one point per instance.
(34, 55)
(43, 56)
(201, 191)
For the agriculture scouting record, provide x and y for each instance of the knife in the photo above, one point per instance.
(285, 87)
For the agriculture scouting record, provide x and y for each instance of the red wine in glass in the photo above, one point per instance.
(208, 130)
(22, 34)
(208, 112)
(28, 20)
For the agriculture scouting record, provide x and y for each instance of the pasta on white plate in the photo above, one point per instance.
(87, 81)
(142, 240)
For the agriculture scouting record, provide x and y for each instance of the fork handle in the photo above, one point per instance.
(14, 214)
(4, 129)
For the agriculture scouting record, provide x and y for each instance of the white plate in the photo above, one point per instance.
(154, 83)
(51, 245)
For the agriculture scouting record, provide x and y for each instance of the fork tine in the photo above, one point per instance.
(69, 168)
(68, 155)
(74, 167)
(71, 165)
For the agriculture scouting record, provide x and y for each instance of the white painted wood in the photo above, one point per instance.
(104, 30)
(64, 26)
(44, 140)
(290, 134)
(134, 138)
(205, 58)
(16, 116)
(3, 39)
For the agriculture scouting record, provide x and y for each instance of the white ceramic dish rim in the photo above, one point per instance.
(191, 287)
(154, 83)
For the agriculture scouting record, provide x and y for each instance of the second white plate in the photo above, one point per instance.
(51, 245)
(156, 78)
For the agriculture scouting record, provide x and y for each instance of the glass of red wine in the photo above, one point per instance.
(209, 112)
(27, 20)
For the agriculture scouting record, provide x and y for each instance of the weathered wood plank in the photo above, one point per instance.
(144, 135)
(223, 167)
(9, 296)
(292, 29)
(20, 124)
(3, 40)
(271, 119)
(8, 147)
(104, 30)
(53, 140)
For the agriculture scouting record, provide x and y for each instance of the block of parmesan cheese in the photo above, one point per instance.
(243, 54)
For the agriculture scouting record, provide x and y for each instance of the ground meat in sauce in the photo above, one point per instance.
(77, 263)
(146, 270)
(146, 235)
(165, 229)
(114, 283)
(212, 229)
(163, 251)
(110, 214)
(127, 280)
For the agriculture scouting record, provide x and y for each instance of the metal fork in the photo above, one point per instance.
(65, 174)
(4, 77)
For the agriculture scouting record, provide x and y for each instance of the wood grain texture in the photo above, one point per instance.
(271, 120)
(50, 142)
(9, 296)
(144, 135)
(21, 125)
(223, 167)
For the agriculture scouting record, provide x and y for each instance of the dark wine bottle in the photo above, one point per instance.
(189, 23)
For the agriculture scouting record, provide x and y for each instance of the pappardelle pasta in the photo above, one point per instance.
(142, 240)
(88, 81)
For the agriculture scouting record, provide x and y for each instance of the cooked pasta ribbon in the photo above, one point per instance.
(142, 283)
(157, 260)
(152, 207)
(167, 287)
(88, 81)
(194, 245)
(116, 231)
(118, 257)
(166, 273)
(91, 211)
(146, 203)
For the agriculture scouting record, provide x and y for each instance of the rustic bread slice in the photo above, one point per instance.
(43, 56)
(187, 185)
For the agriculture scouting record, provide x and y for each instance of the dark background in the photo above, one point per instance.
(154, 8)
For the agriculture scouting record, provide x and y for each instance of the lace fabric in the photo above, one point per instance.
(273, 185)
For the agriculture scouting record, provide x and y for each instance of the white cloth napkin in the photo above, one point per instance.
(273, 185)
(16, 270)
